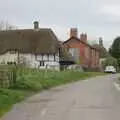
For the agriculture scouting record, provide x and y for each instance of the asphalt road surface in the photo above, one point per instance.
(93, 99)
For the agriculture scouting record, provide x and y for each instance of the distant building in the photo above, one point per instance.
(38, 47)
(81, 51)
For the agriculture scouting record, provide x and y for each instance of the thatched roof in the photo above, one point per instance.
(29, 41)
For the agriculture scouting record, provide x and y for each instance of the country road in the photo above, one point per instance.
(93, 99)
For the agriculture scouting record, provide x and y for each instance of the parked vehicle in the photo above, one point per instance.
(110, 69)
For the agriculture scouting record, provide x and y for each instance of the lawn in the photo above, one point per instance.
(33, 81)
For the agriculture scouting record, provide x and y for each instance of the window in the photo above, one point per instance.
(75, 52)
(11, 63)
(95, 53)
(38, 57)
(45, 57)
(51, 57)
(54, 58)
(48, 57)
(87, 52)
(41, 63)
(92, 52)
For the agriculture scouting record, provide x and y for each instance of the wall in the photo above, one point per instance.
(49, 62)
(75, 53)
(88, 56)
(95, 58)
(87, 60)
(7, 57)
(31, 60)
(80, 49)
(73, 43)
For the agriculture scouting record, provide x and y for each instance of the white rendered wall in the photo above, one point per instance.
(31, 60)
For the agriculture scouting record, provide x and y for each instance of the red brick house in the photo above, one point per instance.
(81, 51)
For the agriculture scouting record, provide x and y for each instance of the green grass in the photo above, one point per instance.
(31, 81)
(8, 98)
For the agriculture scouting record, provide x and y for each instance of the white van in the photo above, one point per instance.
(110, 69)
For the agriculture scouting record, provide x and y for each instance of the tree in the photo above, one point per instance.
(5, 25)
(115, 48)
(110, 61)
(92, 42)
(1, 25)
(118, 61)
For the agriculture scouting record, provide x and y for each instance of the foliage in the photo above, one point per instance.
(8, 98)
(92, 42)
(103, 53)
(118, 61)
(115, 48)
(110, 61)
(38, 80)
(65, 54)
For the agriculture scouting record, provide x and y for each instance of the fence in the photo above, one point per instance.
(7, 76)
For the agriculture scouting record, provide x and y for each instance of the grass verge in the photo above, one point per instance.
(8, 98)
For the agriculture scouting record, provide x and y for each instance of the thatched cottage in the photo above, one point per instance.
(36, 48)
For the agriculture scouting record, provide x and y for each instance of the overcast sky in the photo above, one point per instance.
(98, 18)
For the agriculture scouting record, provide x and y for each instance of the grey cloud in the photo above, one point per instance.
(85, 14)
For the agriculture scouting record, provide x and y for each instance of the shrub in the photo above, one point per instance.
(37, 80)
(28, 82)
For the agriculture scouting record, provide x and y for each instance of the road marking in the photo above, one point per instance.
(43, 112)
(117, 86)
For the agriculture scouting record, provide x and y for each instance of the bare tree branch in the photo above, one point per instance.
(4, 25)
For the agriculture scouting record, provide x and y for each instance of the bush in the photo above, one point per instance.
(38, 80)
(28, 82)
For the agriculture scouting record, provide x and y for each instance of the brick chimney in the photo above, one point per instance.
(36, 25)
(100, 42)
(73, 32)
(83, 37)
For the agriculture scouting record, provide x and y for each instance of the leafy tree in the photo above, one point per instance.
(110, 61)
(92, 42)
(115, 48)
(118, 60)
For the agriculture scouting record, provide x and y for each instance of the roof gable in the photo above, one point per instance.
(79, 41)
(72, 39)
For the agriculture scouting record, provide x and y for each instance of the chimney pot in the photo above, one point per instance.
(100, 42)
(83, 37)
(36, 25)
(73, 32)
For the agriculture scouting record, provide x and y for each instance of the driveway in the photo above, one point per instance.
(93, 99)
